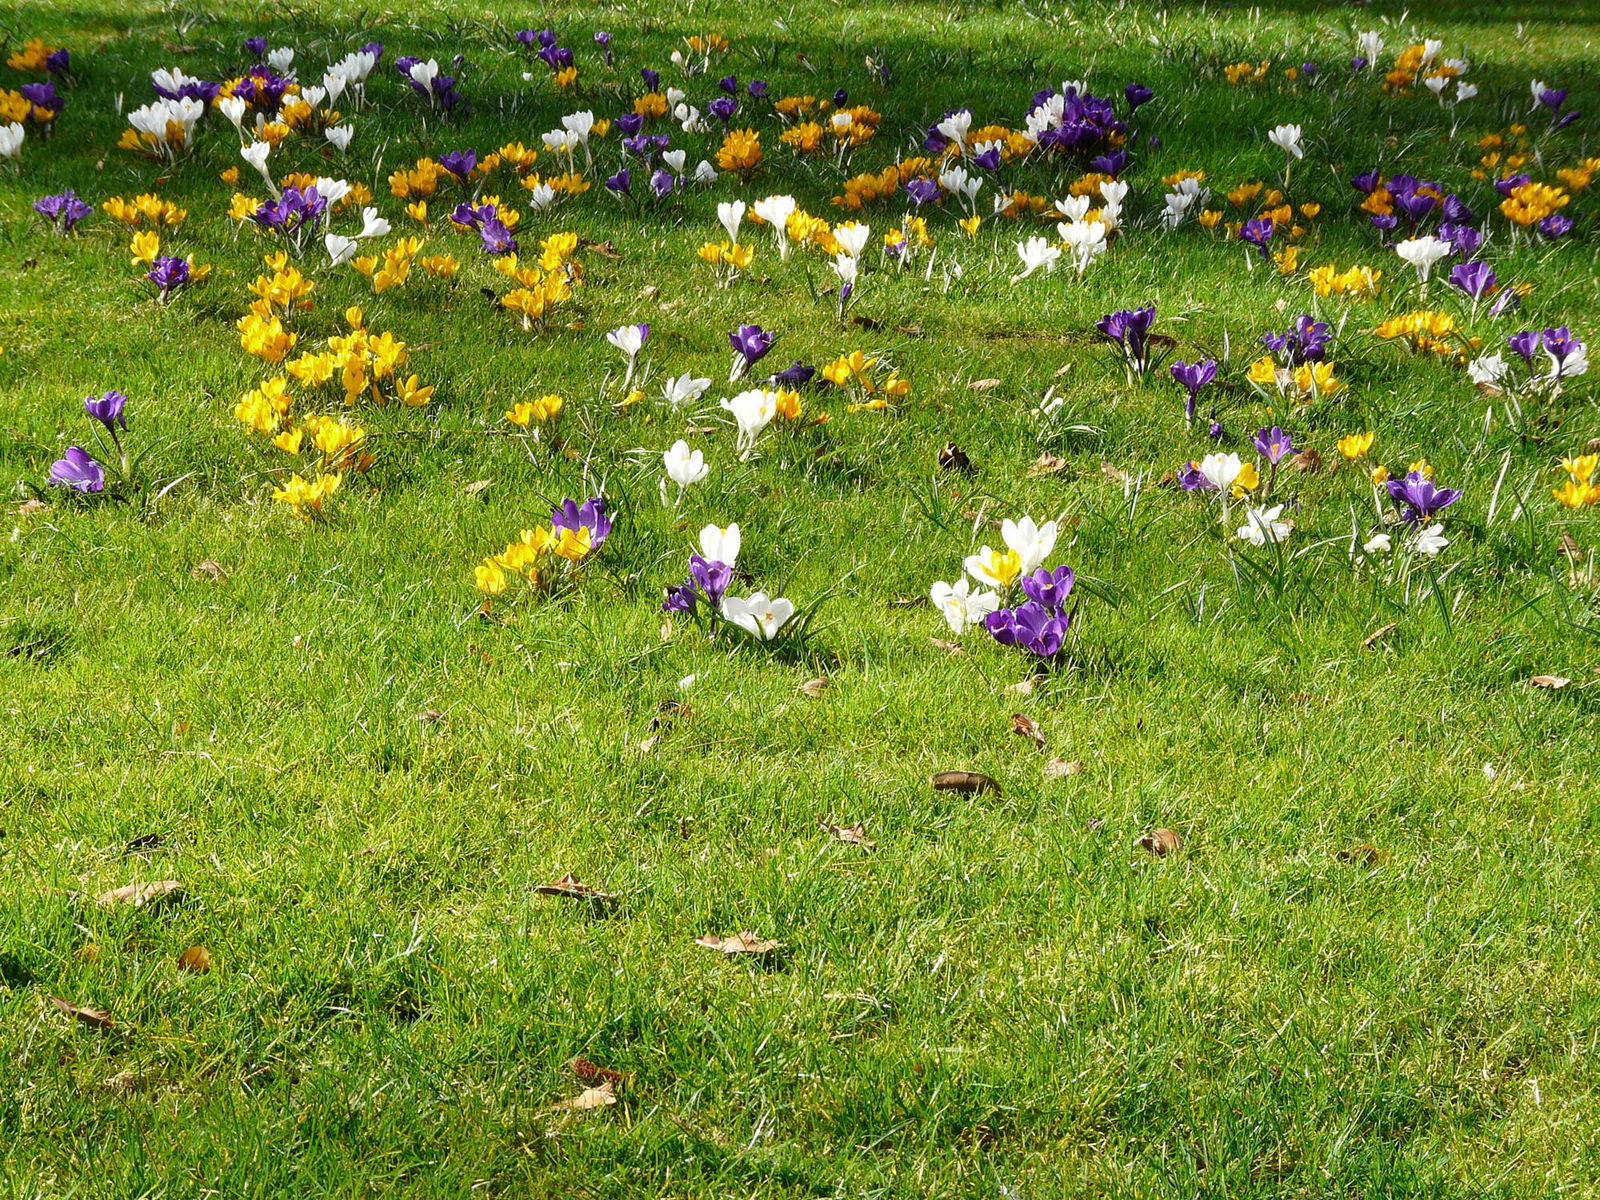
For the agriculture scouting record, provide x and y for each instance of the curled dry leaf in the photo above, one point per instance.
(1161, 842)
(432, 716)
(970, 782)
(1377, 635)
(210, 569)
(569, 887)
(982, 385)
(1025, 726)
(1060, 768)
(1363, 855)
(140, 894)
(855, 835)
(1307, 461)
(1047, 464)
(196, 959)
(1023, 687)
(1551, 682)
(602, 1096)
(95, 1018)
(815, 687)
(948, 646)
(650, 292)
(476, 486)
(744, 942)
(593, 1073)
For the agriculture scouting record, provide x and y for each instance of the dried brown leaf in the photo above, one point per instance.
(1307, 461)
(95, 1018)
(952, 457)
(1550, 682)
(590, 1098)
(569, 887)
(208, 568)
(855, 835)
(1025, 726)
(1161, 842)
(815, 687)
(476, 486)
(593, 1073)
(1377, 635)
(1060, 768)
(140, 894)
(1365, 855)
(744, 942)
(969, 782)
(982, 385)
(1047, 464)
(948, 646)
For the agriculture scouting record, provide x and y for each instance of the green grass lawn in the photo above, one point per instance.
(1366, 969)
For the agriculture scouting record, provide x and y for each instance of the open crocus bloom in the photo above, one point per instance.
(758, 613)
(962, 607)
(1262, 525)
(1031, 543)
(684, 466)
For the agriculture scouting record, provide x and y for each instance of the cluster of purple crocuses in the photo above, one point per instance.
(1040, 624)
(1128, 331)
(494, 233)
(77, 470)
(63, 210)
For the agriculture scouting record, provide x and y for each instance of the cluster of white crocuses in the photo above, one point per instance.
(1186, 195)
(1083, 238)
(1027, 545)
(162, 118)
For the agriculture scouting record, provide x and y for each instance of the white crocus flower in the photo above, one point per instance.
(1036, 253)
(1220, 470)
(1378, 543)
(339, 137)
(1430, 539)
(674, 160)
(630, 340)
(990, 567)
(341, 249)
(256, 154)
(731, 215)
(684, 389)
(752, 411)
(852, 236)
(281, 59)
(541, 197)
(1423, 253)
(332, 190)
(11, 138)
(961, 606)
(720, 545)
(845, 267)
(1487, 369)
(956, 126)
(1370, 45)
(334, 84)
(1262, 525)
(705, 172)
(372, 225)
(758, 614)
(776, 211)
(1287, 139)
(233, 108)
(683, 467)
(1031, 543)
(423, 74)
(313, 95)
(1074, 208)
(1086, 240)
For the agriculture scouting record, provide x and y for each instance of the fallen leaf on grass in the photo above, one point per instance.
(1379, 634)
(1025, 726)
(855, 835)
(1047, 464)
(970, 782)
(1552, 682)
(982, 385)
(29, 507)
(140, 894)
(952, 457)
(476, 486)
(593, 1073)
(947, 646)
(210, 569)
(95, 1018)
(1366, 855)
(590, 1098)
(196, 959)
(431, 716)
(1308, 461)
(1115, 474)
(744, 942)
(604, 249)
(1161, 842)
(569, 887)
(1060, 768)
(1023, 687)
(815, 687)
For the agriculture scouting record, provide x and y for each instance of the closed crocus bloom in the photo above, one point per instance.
(960, 606)
(731, 215)
(1228, 473)
(752, 412)
(108, 410)
(684, 466)
(77, 471)
(758, 614)
(629, 339)
(720, 544)
(852, 237)
(684, 390)
(1430, 540)
(1355, 445)
(340, 249)
(776, 211)
(339, 136)
(1031, 543)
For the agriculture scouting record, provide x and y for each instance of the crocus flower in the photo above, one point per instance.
(1192, 377)
(1274, 445)
(752, 411)
(108, 410)
(1258, 232)
(76, 470)
(1049, 588)
(683, 467)
(960, 606)
(684, 389)
(1287, 139)
(721, 544)
(63, 210)
(1422, 500)
(459, 163)
(630, 339)
(1031, 543)
(1555, 226)
(710, 577)
(1032, 626)
(758, 614)
(794, 377)
(590, 516)
(750, 343)
(1422, 253)
(1476, 279)
(1129, 331)
(168, 273)
(1136, 94)
(1263, 526)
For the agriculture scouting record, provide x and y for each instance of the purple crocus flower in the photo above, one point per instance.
(76, 470)
(840, 98)
(108, 410)
(1192, 377)
(710, 577)
(1565, 119)
(922, 191)
(1310, 70)
(1555, 226)
(1358, 64)
(1136, 94)
(496, 236)
(1511, 183)
(662, 183)
(1421, 499)
(1112, 163)
(1560, 344)
(621, 182)
(43, 95)
(1509, 300)
(603, 40)
(1463, 239)
(1414, 206)
(63, 210)
(1129, 330)
(797, 376)
(1455, 209)
(1258, 232)
(1274, 445)
(1032, 626)
(256, 47)
(682, 598)
(729, 84)
(757, 89)
(1049, 588)
(628, 124)
(1476, 279)
(590, 515)
(1367, 182)
(459, 163)
(723, 108)
(59, 63)
(169, 273)
(1190, 478)
(1525, 343)
(652, 79)
(751, 342)
(1553, 98)
(989, 160)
